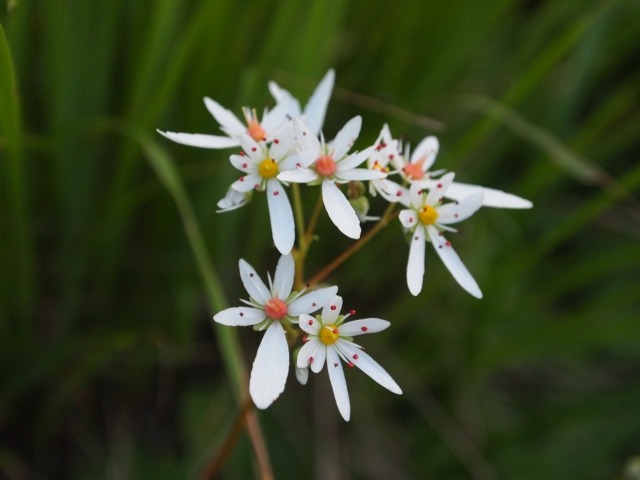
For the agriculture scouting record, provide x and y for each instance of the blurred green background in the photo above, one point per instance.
(109, 366)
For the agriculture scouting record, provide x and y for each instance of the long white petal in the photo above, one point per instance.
(340, 210)
(275, 117)
(270, 368)
(338, 383)
(368, 365)
(240, 316)
(492, 197)
(246, 183)
(331, 310)
(453, 263)
(316, 107)
(312, 301)
(283, 280)
(363, 326)
(354, 160)
(457, 212)
(359, 174)
(281, 214)
(415, 264)
(201, 140)
(227, 120)
(346, 137)
(408, 218)
(253, 284)
(281, 95)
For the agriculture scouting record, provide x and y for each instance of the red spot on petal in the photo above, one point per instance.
(355, 356)
(448, 244)
(242, 153)
(242, 179)
(251, 275)
(410, 219)
(241, 314)
(305, 338)
(335, 364)
(310, 359)
(439, 185)
(310, 322)
(364, 329)
(455, 215)
(244, 165)
(276, 141)
(333, 307)
(313, 304)
(276, 193)
(415, 238)
(253, 149)
(398, 193)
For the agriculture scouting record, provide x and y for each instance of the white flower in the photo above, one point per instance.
(427, 218)
(329, 164)
(385, 150)
(315, 109)
(330, 338)
(415, 167)
(270, 308)
(232, 200)
(259, 130)
(262, 162)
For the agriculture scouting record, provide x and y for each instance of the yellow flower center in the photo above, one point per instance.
(268, 168)
(428, 215)
(329, 334)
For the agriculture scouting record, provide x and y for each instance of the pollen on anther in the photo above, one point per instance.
(355, 356)
(352, 312)
(364, 329)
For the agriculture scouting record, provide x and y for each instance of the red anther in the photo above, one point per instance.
(350, 364)
(448, 244)
(335, 331)
(305, 338)
(352, 312)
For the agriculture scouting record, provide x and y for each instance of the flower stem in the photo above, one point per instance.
(340, 259)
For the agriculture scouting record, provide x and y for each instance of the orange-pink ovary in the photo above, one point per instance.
(255, 130)
(414, 170)
(275, 308)
(325, 165)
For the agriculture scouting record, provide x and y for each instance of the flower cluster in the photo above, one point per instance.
(285, 148)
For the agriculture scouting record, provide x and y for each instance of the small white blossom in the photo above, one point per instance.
(269, 309)
(427, 219)
(415, 167)
(329, 339)
(385, 150)
(329, 164)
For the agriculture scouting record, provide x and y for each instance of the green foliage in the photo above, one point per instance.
(113, 259)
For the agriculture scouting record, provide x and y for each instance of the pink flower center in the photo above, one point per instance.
(414, 170)
(275, 308)
(325, 165)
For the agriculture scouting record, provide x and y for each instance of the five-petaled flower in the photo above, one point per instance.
(272, 309)
(427, 219)
(329, 339)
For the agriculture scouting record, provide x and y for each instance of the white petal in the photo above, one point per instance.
(457, 212)
(340, 210)
(312, 354)
(283, 280)
(360, 174)
(368, 365)
(282, 143)
(270, 368)
(353, 160)
(253, 284)
(316, 107)
(240, 316)
(453, 263)
(363, 326)
(227, 120)
(338, 383)
(427, 148)
(281, 95)
(408, 218)
(301, 175)
(201, 140)
(346, 137)
(282, 223)
(416, 195)
(246, 183)
(415, 264)
(306, 138)
(492, 198)
(331, 310)
(437, 188)
(275, 117)
(309, 324)
(312, 301)
(232, 200)
(302, 375)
